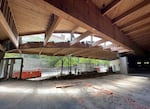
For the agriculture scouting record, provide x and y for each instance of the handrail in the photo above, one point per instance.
(5, 9)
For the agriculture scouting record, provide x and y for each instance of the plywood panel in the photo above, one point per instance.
(124, 6)
(65, 25)
(145, 21)
(29, 17)
(134, 15)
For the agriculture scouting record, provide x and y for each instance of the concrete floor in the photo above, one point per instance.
(108, 92)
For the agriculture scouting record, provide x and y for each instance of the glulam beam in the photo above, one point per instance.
(82, 36)
(53, 23)
(85, 14)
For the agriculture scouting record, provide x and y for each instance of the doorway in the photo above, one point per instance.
(11, 68)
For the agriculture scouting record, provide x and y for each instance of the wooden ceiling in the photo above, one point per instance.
(132, 17)
(129, 19)
(31, 18)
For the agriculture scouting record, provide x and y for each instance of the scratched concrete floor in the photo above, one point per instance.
(108, 92)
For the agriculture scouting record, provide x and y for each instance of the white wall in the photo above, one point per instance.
(115, 64)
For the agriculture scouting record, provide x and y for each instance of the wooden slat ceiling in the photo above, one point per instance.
(32, 19)
(136, 22)
(132, 17)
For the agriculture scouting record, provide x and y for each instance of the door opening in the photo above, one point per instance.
(11, 68)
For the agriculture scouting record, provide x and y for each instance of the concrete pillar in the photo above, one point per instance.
(1, 63)
(123, 65)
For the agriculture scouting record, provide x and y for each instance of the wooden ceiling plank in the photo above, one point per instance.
(145, 2)
(110, 6)
(82, 36)
(141, 34)
(135, 21)
(54, 21)
(74, 29)
(141, 30)
(137, 28)
(84, 19)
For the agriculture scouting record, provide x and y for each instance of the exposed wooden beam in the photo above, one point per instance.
(123, 51)
(74, 29)
(89, 53)
(90, 20)
(110, 6)
(82, 36)
(135, 20)
(79, 51)
(57, 52)
(141, 30)
(140, 5)
(98, 42)
(140, 34)
(138, 28)
(117, 48)
(54, 21)
(9, 31)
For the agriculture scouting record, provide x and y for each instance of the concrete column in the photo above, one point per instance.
(123, 65)
(1, 64)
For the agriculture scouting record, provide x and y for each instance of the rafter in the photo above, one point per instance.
(91, 20)
(138, 28)
(54, 21)
(124, 51)
(145, 2)
(98, 42)
(78, 52)
(117, 48)
(82, 36)
(110, 6)
(135, 21)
